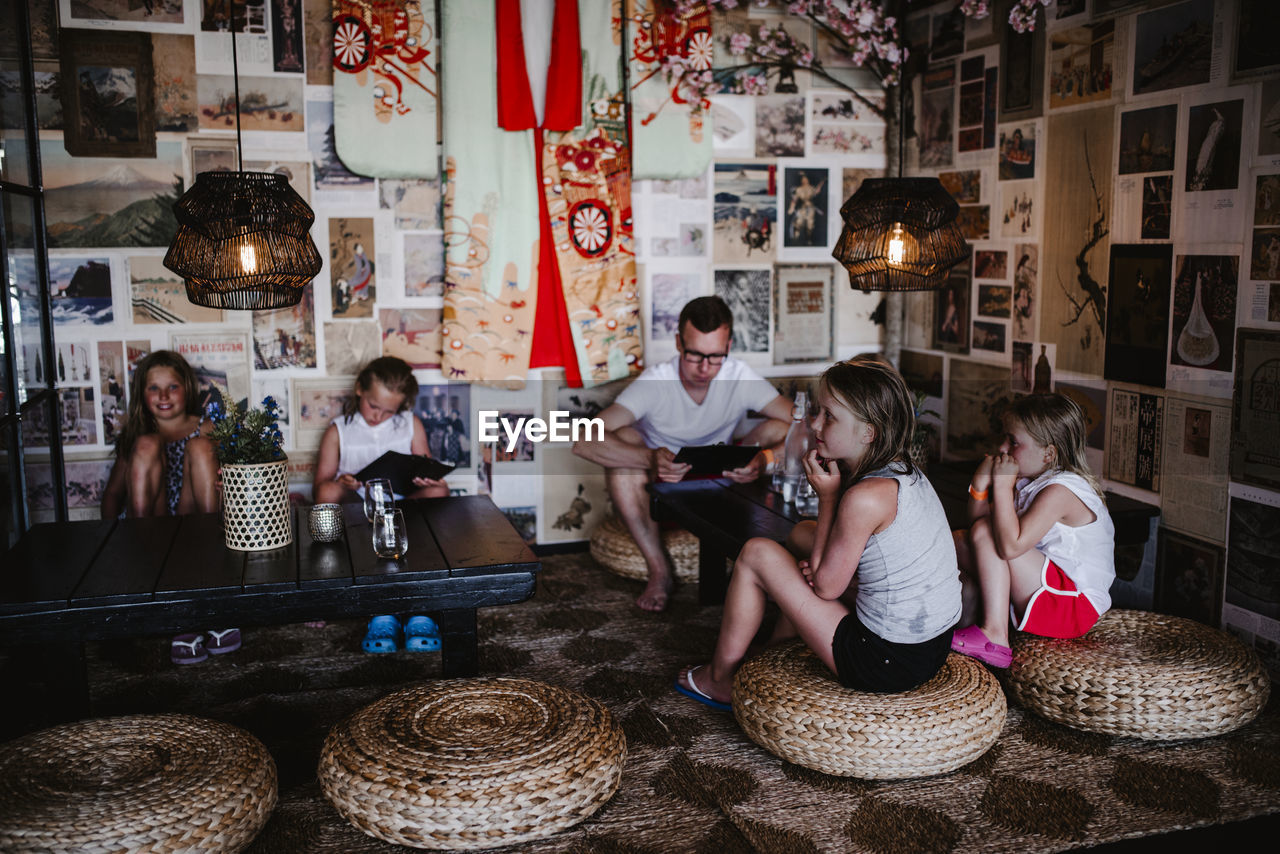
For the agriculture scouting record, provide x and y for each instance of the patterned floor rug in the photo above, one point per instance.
(692, 782)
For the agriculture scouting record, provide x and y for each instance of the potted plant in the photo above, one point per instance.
(255, 482)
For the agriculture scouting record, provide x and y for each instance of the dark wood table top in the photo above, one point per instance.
(177, 561)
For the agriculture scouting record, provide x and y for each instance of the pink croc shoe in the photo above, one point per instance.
(973, 641)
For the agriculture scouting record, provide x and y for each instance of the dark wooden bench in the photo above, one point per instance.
(723, 515)
(66, 583)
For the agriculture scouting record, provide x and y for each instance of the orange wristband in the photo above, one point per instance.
(978, 496)
(768, 455)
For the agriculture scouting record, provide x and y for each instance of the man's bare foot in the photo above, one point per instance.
(705, 686)
(655, 595)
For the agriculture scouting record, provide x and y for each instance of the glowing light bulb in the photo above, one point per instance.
(248, 261)
(897, 249)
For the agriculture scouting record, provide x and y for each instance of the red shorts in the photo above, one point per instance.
(1057, 609)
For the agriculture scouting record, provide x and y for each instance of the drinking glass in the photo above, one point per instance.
(378, 496)
(390, 539)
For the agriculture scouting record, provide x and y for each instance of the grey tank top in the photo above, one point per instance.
(908, 580)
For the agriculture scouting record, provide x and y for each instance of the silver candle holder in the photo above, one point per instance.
(325, 522)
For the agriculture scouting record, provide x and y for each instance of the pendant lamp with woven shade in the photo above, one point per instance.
(900, 234)
(244, 238)
(243, 241)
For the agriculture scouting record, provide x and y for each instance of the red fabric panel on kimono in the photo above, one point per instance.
(552, 344)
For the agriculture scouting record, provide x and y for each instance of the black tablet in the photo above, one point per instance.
(401, 469)
(714, 459)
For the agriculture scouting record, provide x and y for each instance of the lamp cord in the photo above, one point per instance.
(235, 73)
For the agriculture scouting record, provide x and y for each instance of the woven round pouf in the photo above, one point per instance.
(614, 548)
(1140, 674)
(473, 763)
(789, 703)
(155, 783)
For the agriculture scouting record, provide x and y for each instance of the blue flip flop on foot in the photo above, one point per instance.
(696, 693)
(421, 634)
(383, 635)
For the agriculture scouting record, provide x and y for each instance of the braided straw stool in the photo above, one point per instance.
(1143, 675)
(472, 763)
(613, 548)
(789, 703)
(154, 783)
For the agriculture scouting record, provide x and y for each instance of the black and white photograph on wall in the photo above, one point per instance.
(1188, 577)
(1266, 200)
(1148, 139)
(1137, 313)
(1257, 50)
(749, 294)
(805, 217)
(445, 413)
(1265, 262)
(1213, 146)
(1173, 47)
(1255, 416)
(1269, 118)
(1253, 541)
(951, 315)
(746, 212)
(935, 127)
(1157, 207)
(1204, 311)
(780, 126)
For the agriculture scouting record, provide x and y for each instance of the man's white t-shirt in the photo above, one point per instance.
(668, 418)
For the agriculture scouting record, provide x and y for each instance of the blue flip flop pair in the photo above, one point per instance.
(420, 634)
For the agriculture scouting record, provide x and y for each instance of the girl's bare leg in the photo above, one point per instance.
(800, 544)
(970, 583)
(1002, 581)
(145, 477)
(200, 492)
(766, 570)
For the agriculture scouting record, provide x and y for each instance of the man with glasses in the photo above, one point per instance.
(696, 398)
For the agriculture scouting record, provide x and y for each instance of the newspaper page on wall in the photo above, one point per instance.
(1196, 448)
(804, 314)
(1133, 449)
(1252, 607)
(1255, 421)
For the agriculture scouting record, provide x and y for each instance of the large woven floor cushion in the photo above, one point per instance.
(613, 547)
(145, 783)
(473, 763)
(1140, 674)
(788, 702)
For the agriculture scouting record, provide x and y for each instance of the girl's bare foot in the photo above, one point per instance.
(655, 595)
(698, 680)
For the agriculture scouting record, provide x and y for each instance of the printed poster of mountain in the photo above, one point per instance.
(111, 201)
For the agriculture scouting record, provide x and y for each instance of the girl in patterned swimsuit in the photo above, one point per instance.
(165, 465)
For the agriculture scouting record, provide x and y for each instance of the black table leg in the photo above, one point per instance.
(712, 581)
(458, 642)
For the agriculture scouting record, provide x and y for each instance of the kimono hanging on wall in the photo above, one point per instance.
(385, 88)
(670, 125)
(584, 289)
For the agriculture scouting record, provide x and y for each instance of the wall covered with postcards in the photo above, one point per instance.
(155, 105)
(1117, 171)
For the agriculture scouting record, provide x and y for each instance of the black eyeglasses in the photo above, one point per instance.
(693, 357)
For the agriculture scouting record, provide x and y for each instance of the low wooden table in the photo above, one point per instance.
(723, 515)
(66, 583)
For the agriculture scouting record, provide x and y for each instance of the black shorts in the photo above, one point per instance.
(867, 662)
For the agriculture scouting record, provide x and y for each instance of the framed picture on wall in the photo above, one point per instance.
(1189, 578)
(803, 332)
(108, 94)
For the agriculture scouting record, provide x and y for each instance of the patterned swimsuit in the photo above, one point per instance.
(175, 454)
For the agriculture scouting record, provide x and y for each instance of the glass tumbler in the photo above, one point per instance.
(378, 496)
(390, 539)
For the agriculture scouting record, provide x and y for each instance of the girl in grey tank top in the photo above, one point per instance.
(872, 586)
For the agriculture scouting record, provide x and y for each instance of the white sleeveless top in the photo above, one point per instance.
(359, 444)
(908, 580)
(1085, 553)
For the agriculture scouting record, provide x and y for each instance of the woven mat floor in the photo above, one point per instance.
(693, 782)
